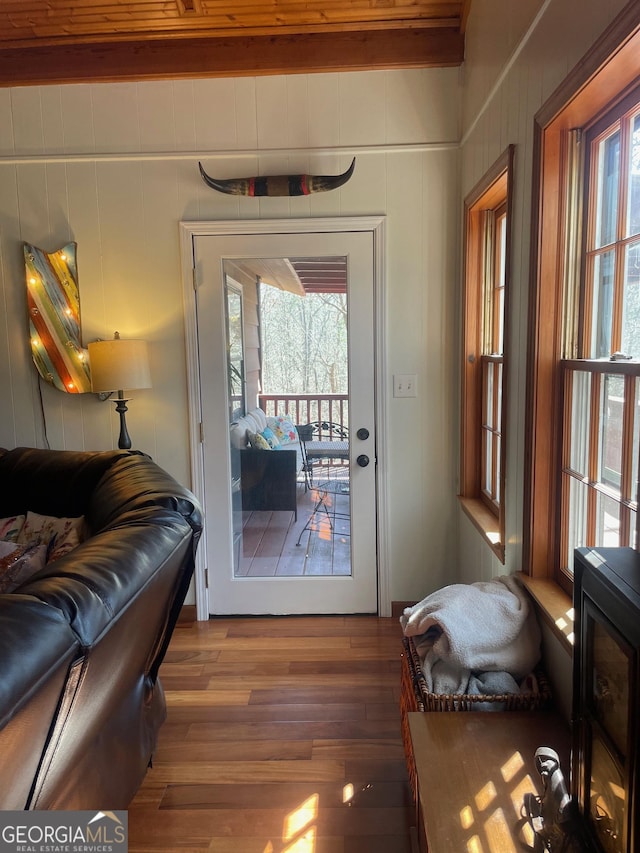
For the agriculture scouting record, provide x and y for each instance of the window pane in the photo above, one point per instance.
(607, 522)
(488, 394)
(488, 442)
(577, 532)
(635, 462)
(633, 213)
(579, 436)
(603, 268)
(631, 305)
(634, 529)
(500, 310)
(496, 485)
(607, 205)
(499, 396)
(611, 423)
(501, 239)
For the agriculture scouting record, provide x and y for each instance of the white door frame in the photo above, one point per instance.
(188, 232)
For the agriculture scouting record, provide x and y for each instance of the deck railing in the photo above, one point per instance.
(307, 408)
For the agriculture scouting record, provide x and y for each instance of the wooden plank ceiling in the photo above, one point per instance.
(56, 41)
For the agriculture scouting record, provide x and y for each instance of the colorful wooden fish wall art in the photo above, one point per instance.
(53, 304)
(278, 185)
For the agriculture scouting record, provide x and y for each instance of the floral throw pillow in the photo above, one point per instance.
(10, 527)
(18, 563)
(58, 535)
(270, 437)
(284, 429)
(8, 554)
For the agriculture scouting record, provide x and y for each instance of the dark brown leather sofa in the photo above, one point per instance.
(82, 641)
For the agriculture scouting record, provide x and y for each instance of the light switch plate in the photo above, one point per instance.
(405, 385)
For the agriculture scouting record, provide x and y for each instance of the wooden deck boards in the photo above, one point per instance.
(269, 540)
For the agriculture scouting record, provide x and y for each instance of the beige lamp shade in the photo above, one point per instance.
(119, 364)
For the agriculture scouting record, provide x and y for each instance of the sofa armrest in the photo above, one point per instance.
(37, 647)
(94, 583)
(135, 482)
(120, 592)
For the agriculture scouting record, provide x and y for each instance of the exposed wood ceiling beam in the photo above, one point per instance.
(231, 56)
(171, 30)
(73, 41)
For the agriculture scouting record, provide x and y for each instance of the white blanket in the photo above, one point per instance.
(484, 627)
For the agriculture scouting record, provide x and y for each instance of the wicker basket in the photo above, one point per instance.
(414, 696)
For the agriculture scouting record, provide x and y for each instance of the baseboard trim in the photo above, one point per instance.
(189, 611)
(187, 614)
(397, 608)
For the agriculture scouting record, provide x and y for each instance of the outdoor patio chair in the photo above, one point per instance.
(331, 505)
(322, 442)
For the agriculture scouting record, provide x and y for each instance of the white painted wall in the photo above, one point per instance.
(506, 82)
(494, 33)
(114, 167)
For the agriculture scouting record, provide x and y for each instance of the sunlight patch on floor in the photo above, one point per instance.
(298, 836)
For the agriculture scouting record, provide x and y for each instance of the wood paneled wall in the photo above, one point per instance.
(115, 167)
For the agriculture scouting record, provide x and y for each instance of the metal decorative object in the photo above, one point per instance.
(54, 318)
(551, 816)
(278, 185)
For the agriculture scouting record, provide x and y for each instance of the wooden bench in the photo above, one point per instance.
(473, 770)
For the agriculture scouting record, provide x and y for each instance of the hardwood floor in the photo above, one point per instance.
(283, 736)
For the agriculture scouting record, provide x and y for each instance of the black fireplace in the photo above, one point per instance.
(606, 706)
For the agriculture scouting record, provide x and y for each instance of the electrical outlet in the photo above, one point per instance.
(405, 385)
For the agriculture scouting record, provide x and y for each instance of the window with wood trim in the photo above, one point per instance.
(483, 378)
(492, 359)
(583, 407)
(601, 392)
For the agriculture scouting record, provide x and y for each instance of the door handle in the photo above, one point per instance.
(362, 460)
(363, 433)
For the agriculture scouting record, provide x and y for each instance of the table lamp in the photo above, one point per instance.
(118, 365)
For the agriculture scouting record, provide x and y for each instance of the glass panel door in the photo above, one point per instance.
(305, 451)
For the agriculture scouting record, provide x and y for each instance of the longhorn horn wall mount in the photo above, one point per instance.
(278, 185)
